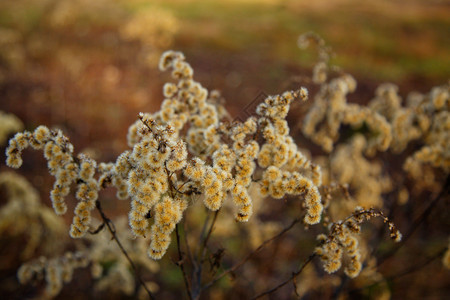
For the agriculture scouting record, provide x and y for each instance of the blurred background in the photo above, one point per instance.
(89, 67)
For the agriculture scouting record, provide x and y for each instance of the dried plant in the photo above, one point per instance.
(191, 152)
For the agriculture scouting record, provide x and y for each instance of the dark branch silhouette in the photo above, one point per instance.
(110, 225)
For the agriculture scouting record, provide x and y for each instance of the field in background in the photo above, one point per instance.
(386, 40)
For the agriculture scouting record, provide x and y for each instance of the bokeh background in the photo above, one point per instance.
(89, 67)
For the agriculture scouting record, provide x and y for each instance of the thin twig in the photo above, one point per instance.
(294, 283)
(180, 263)
(243, 261)
(98, 229)
(205, 241)
(188, 248)
(337, 292)
(110, 225)
(202, 234)
(199, 258)
(293, 276)
(198, 267)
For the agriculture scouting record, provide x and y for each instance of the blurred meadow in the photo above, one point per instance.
(89, 67)
(81, 64)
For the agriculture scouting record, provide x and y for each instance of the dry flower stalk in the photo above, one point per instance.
(189, 148)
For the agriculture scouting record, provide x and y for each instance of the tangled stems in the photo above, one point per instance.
(195, 291)
(246, 258)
